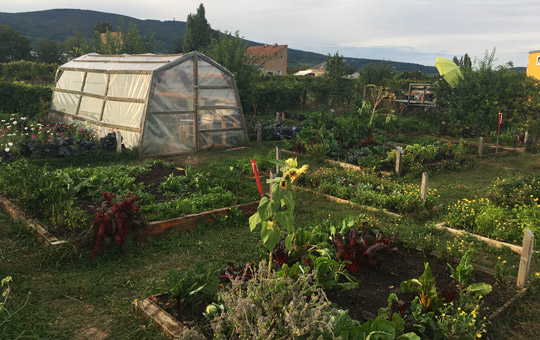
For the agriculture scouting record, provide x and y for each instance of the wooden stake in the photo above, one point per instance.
(118, 141)
(526, 138)
(272, 176)
(480, 146)
(277, 116)
(398, 163)
(423, 189)
(278, 157)
(259, 132)
(526, 257)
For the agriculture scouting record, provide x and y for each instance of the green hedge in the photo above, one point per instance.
(28, 72)
(27, 100)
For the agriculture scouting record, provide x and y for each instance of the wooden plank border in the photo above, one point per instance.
(42, 233)
(189, 222)
(154, 230)
(343, 201)
(494, 243)
(148, 309)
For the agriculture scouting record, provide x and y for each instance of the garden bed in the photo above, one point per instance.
(363, 303)
(368, 189)
(168, 197)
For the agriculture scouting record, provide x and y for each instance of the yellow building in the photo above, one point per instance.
(272, 59)
(533, 65)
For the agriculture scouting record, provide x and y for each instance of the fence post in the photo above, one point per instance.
(259, 132)
(278, 157)
(118, 141)
(526, 257)
(272, 176)
(526, 138)
(277, 116)
(423, 189)
(480, 146)
(398, 163)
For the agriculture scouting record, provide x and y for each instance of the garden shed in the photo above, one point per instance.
(162, 104)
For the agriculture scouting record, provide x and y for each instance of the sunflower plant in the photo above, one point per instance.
(276, 215)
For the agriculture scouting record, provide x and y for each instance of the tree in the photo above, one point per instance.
(464, 62)
(76, 45)
(230, 52)
(13, 45)
(379, 74)
(49, 51)
(198, 31)
(336, 71)
(472, 106)
(102, 27)
(123, 40)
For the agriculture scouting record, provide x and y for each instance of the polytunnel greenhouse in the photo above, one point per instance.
(162, 104)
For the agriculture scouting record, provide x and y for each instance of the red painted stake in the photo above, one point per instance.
(257, 178)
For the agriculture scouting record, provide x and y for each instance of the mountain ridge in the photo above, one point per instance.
(58, 24)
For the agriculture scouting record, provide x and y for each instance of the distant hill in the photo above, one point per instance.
(58, 24)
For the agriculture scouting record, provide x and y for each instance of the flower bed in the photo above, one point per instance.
(65, 200)
(24, 137)
(510, 206)
(368, 188)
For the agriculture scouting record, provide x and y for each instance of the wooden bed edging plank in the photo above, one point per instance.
(18, 214)
(353, 167)
(343, 201)
(150, 310)
(189, 222)
(494, 243)
(508, 303)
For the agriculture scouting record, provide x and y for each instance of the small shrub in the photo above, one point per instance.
(273, 307)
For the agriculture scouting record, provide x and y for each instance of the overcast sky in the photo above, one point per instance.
(398, 30)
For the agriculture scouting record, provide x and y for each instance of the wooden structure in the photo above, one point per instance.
(162, 104)
(419, 94)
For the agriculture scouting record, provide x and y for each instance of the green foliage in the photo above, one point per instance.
(198, 31)
(336, 71)
(14, 46)
(510, 207)
(380, 74)
(28, 72)
(189, 284)
(76, 45)
(28, 100)
(463, 272)
(425, 287)
(473, 105)
(49, 51)
(368, 188)
(124, 40)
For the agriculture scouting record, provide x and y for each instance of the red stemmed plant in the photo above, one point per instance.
(363, 249)
(114, 220)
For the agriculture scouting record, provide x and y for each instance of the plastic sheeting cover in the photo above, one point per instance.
(70, 80)
(95, 83)
(217, 97)
(91, 108)
(123, 114)
(65, 102)
(129, 85)
(219, 119)
(174, 89)
(168, 133)
(222, 138)
(209, 75)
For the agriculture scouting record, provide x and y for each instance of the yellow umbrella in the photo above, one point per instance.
(448, 70)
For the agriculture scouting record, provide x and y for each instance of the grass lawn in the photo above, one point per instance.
(61, 294)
